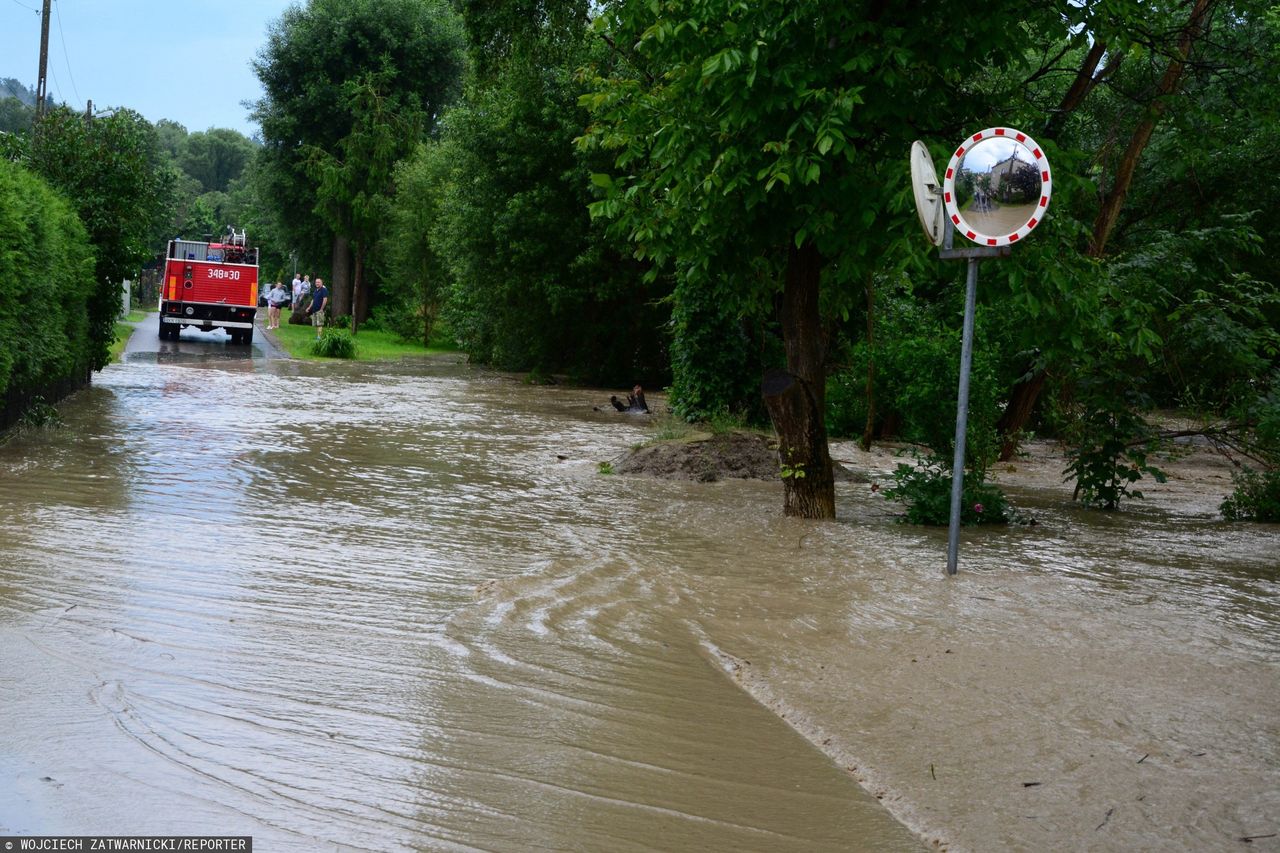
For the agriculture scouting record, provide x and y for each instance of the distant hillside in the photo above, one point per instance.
(12, 88)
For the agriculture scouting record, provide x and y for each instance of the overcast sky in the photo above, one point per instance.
(184, 60)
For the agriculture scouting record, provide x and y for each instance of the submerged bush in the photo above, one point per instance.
(925, 490)
(1256, 497)
(40, 415)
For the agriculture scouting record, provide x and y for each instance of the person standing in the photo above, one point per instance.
(275, 299)
(295, 290)
(319, 302)
(306, 292)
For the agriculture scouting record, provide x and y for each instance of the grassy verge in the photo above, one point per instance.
(124, 328)
(371, 344)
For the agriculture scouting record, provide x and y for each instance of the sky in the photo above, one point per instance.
(183, 60)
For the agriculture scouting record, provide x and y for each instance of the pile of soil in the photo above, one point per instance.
(705, 458)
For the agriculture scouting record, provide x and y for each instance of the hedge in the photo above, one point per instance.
(46, 282)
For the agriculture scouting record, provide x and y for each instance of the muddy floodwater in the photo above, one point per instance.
(397, 607)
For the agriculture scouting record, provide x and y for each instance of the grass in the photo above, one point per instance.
(371, 344)
(124, 328)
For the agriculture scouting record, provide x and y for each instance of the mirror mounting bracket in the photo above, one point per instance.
(947, 253)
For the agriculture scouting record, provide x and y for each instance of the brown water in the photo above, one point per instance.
(396, 607)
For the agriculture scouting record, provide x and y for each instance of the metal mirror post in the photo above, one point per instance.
(996, 190)
(972, 255)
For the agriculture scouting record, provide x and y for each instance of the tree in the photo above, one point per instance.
(414, 49)
(110, 170)
(750, 144)
(171, 137)
(15, 116)
(1156, 76)
(355, 182)
(216, 157)
(417, 278)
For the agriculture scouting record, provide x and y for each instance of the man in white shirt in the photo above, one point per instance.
(297, 292)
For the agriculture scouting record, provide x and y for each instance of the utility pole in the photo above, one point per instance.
(41, 83)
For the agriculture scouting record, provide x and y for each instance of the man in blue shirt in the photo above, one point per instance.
(319, 302)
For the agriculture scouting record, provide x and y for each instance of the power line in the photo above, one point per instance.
(28, 8)
(65, 56)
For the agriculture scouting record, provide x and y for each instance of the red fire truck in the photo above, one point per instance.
(210, 286)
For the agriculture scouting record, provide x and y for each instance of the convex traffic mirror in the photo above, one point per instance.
(997, 187)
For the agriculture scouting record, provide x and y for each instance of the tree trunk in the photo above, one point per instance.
(796, 397)
(1080, 88)
(359, 299)
(1022, 400)
(1114, 201)
(340, 287)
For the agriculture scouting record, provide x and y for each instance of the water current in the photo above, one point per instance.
(397, 607)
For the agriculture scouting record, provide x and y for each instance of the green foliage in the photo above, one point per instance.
(925, 490)
(17, 106)
(1111, 442)
(520, 273)
(334, 343)
(712, 364)
(917, 374)
(725, 422)
(15, 116)
(416, 282)
(40, 415)
(605, 468)
(46, 286)
(110, 170)
(407, 52)
(740, 129)
(216, 157)
(668, 428)
(790, 469)
(1256, 497)
(354, 181)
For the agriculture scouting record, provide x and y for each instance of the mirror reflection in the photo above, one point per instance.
(997, 186)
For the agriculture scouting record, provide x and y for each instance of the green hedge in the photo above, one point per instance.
(46, 281)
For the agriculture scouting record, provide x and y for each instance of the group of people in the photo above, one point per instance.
(297, 300)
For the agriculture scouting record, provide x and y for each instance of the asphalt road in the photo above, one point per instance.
(195, 344)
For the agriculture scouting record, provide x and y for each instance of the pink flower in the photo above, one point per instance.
(978, 508)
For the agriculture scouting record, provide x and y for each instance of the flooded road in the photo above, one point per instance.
(396, 607)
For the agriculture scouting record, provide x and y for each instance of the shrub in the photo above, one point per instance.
(1256, 497)
(334, 343)
(925, 490)
(1111, 442)
(917, 371)
(40, 415)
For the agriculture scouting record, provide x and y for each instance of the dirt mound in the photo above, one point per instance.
(707, 458)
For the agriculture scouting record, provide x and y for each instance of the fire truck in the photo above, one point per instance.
(210, 286)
